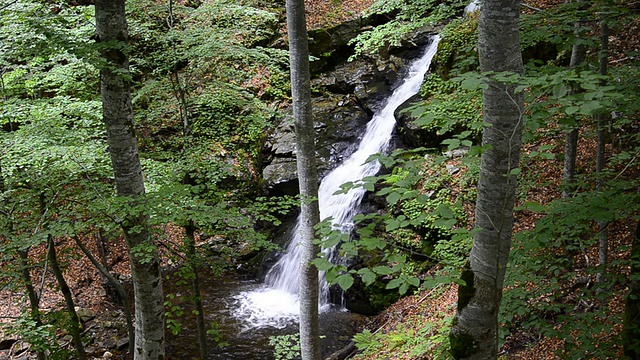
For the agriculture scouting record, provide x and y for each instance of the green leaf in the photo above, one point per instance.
(445, 211)
(444, 223)
(322, 264)
(515, 171)
(560, 91)
(368, 276)
(589, 108)
(393, 224)
(345, 281)
(369, 186)
(393, 198)
(394, 283)
(534, 207)
(382, 270)
(403, 288)
(571, 110)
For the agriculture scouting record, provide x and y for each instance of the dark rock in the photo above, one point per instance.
(85, 314)
(409, 133)
(122, 344)
(7, 343)
(330, 46)
(281, 178)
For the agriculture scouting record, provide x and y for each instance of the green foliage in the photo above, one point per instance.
(552, 257)
(413, 337)
(457, 52)
(40, 338)
(286, 347)
(409, 16)
(425, 221)
(217, 336)
(451, 109)
(173, 312)
(208, 67)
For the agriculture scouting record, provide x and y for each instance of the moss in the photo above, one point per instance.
(466, 291)
(379, 297)
(462, 344)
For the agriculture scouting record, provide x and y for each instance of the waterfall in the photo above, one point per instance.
(277, 303)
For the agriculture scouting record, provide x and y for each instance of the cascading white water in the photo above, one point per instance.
(276, 304)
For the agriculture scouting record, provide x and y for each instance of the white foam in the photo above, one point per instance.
(277, 305)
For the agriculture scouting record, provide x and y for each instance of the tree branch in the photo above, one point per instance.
(530, 7)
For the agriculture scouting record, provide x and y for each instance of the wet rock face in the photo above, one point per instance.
(339, 121)
(345, 97)
(409, 135)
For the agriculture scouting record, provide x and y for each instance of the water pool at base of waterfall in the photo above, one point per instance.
(248, 340)
(248, 312)
(265, 306)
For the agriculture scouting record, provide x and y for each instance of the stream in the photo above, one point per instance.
(248, 342)
(249, 312)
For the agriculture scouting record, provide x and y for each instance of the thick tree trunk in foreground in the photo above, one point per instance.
(307, 175)
(117, 113)
(474, 334)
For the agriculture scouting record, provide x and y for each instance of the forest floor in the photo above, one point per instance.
(436, 306)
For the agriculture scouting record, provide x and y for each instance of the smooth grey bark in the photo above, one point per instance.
(307, 175)
(578, 54)
(474, 333)
(111, 28)
(74, 321)
(603, 230)
(126, 307)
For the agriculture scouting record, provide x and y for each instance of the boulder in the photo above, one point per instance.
(85, 314)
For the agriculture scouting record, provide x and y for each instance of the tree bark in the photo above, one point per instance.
(126, 306)
(74, 320)
(307, 175)
(195, 287)
(603, 231)
(578, 53)
(111, 27)
(474, 334)
(34, 301)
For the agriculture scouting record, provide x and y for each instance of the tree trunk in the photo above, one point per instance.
(603, 231)
(578, 53)
(474, 334)
(126, 306)
(34, 301)
(195, 287)
(631, 325)
(570, 154)
(307, 175)
(25, 269)
(111, 27)
(68, 299)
